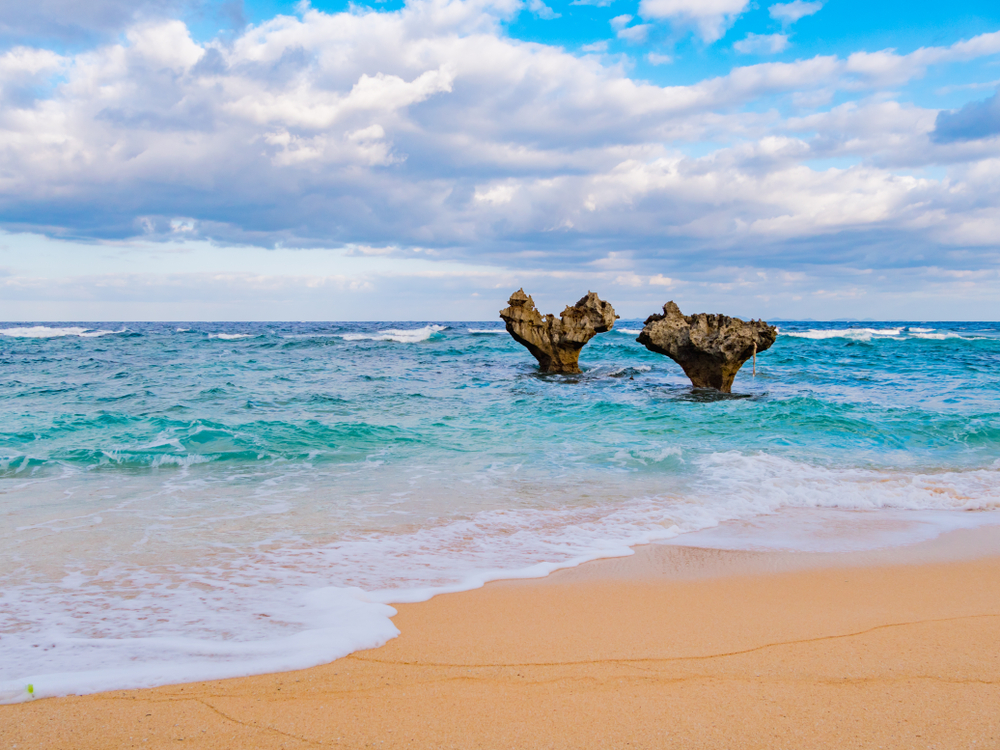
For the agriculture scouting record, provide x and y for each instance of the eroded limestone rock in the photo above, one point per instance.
(556, 342)
(709, 348)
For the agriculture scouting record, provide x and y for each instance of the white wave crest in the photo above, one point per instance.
(620, 371)
(629, 331)
(948, 335)
(878, 334)
(232, 336)
(859, 334)
(487, 330)
(402, 336)
(45, 332)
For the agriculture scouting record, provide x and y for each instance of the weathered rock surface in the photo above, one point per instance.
(710, 348)
(556, 342)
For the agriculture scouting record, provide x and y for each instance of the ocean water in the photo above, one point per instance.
(196, 501)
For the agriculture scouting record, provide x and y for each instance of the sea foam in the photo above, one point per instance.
(46, 332)
(402, 336)
(290, 606)
(878, 334)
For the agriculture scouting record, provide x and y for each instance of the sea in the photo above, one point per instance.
(192, 501)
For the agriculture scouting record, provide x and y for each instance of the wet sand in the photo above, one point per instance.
(673, 647)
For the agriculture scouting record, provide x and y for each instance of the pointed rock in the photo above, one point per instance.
(709, 348)
(556, 342)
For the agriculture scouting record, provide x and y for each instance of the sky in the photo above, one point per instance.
(420, 160)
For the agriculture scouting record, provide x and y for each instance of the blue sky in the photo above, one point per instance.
(176, 159)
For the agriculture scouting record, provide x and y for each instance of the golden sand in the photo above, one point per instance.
(670, 648)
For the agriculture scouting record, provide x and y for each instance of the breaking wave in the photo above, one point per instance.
(402, 336)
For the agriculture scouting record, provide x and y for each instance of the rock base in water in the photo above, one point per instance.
(556, 342)
(709, 348)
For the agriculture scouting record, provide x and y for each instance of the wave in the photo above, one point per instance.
(298, 605)
(140, 443)
(486, 330)
(46, 332)
(948, 335)
(877, 334)
(768, 482)
(622, 372)
(402, 336)
(629, 331)
(233, 336)
(864, 334)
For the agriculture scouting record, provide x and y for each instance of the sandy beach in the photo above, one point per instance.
(672, 647)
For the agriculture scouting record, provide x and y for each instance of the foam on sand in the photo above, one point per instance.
(289, 606)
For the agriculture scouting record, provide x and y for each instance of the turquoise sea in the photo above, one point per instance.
(199, 500)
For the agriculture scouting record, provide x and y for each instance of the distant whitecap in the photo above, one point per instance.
(46, 332)
(400, 335)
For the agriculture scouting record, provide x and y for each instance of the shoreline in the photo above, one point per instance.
(674, 646)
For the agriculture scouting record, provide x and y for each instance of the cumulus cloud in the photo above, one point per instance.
(973, 121)
(75, 21)
(709, 18)
(428, 128)
(762, 44)
(789, 13)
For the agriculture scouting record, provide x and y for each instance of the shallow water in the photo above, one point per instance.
(190, 501)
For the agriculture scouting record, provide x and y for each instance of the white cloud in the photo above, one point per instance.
(945, 90)
(886, 68)
(762, 44)
(598, 47)
(655, 58)
(542, 10)
(74, 21)
(497, 195)
(25, 61)
(710, 18)
(789, 13)
(635, 34)
(429, 128)
(165, 45)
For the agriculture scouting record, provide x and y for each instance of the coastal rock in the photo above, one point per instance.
(556, 342)
(709, 348)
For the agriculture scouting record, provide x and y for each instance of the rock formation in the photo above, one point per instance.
(710, 348)
(556, 343)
